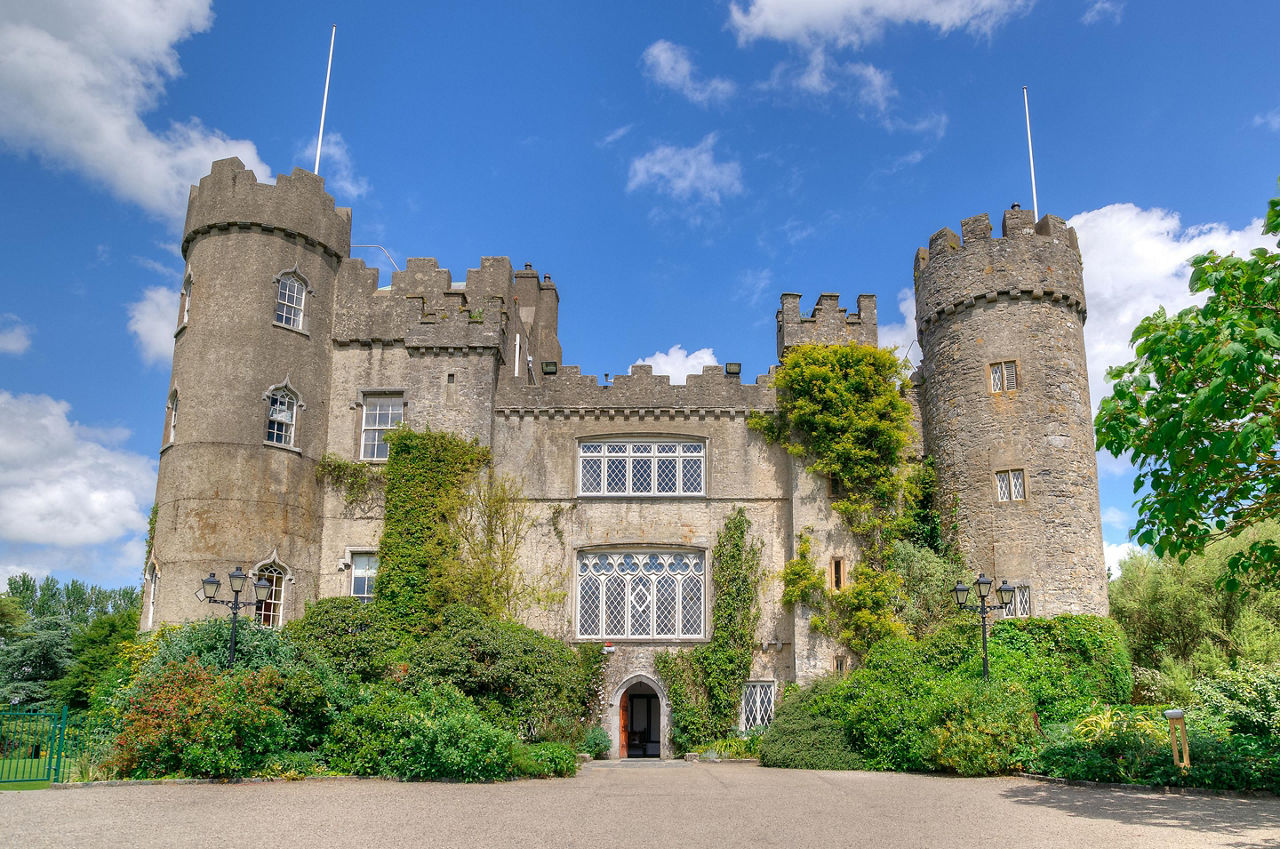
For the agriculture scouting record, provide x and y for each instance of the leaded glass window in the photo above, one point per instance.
(1021, 601)
(381, 414)
(270, 611)
(291, 296)
(1004, 376)
(757, 704)
(648, 467)
(637, 594)
(1011, 485)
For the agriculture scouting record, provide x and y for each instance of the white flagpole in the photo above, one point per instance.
(1035, 205)
(324, 104)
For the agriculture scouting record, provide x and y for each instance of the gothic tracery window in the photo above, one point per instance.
(641, 594)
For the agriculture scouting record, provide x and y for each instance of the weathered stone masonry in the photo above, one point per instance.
(468, 357)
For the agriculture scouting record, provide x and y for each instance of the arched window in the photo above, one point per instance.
(291, 297)
(173, 416)
(282, 415)
(153, 586)
(185, 311)
(270, 611)
(641, 594)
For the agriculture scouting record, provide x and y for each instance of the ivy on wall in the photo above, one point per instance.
(704, 684)
(356, 480)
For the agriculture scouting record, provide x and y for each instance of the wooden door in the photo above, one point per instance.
(623, 704)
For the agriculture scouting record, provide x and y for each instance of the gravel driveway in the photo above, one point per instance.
(631, 805)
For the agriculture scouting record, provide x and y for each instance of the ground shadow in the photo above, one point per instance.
(1222, 815)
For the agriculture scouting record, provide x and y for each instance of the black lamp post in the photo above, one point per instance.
(210, 585)
(1005, 596)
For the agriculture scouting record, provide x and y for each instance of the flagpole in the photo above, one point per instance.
(324, 104)
(1035, 205)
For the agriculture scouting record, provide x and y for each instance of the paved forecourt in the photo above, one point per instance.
(667, 804)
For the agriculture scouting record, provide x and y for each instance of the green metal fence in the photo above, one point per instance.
(48, 746)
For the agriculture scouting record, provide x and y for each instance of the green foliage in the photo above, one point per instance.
(704, 685)
(367, 738)
(357, 481)
(924, 602)
(543, 760)
(1198, 410)
(491, 522)
(840, 406)
(95, 652)
(596, 743)
(75, 601)
(862, 612)
(151, 535)
(208, 641)
(802, 580)
(891, 705)
(985, 729)
(12, 618)
(419, 567)
(520, 678)
(1246, 699)
(808, 732)
(458, 746)
(189, 720)
(33, 661)
(738, 747)
(352, 637)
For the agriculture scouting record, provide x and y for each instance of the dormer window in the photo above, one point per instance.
(291, 297)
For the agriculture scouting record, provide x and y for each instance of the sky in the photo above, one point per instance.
(674, 166)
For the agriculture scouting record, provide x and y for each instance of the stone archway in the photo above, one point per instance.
(640, 702)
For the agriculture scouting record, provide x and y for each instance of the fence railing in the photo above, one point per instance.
(47, 745)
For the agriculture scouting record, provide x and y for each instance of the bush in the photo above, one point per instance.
(191, 721)
(1247, 699)
(352, 637)
(543, 760)
(520, 679)
(460, 746)
(890, 705)
(805, 735)
(367, 738)
(596, 743)
(985, 729)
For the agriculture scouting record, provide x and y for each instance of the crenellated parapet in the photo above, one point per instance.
(1032, 260)
(827, 324)
(638, 394)
(297, 208)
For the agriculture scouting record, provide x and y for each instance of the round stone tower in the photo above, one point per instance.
(1005, 409)
(247, 416)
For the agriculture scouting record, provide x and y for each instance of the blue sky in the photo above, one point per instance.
(673, 166)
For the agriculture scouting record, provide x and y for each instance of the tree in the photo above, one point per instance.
(32, 662)
(1198, 411)
(95, 651)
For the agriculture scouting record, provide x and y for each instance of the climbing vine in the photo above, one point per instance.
(151, 535)
(420, 567)
(704, 685)
(354, 479)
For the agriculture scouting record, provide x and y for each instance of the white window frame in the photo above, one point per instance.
(759, 698)
(1003, 376)
(184, 312)
(173, 416)
(282, 427)
(379, 427)
(1021, 606)
(638, 573)
(355, 558)
(292, 289)
(153, 580)
(1011, 485)
(270, 612)
(638, 452)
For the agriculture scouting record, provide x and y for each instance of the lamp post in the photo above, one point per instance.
(1004, 594)
(210, 585)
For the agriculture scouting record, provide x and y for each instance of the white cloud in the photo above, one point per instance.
(1099, 10)
(1117, 518)
(336, 167)
(76, 79)
(853, 23)
(1115, 553)
(1134, 261)
(877, 87)
(12, 570)
(15, 337)
(1271, 120)
(754, 284)
(59, 485)
(152, 320)
(679, 363)
(614, 136)
(670, 65)
(902, 334)
(687, 173)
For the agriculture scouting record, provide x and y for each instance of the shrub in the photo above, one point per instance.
(191, 721)
(985, 729)
(890, 705)
(460, 746)
(352, 637)
(543, 760)
(520, 679)
(1247, 699)
(596, 743)
(805, 735)
(366, 739)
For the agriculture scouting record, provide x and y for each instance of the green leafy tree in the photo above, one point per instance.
(77, 602)
(1198, 411)
(95, 651)
(31, 663)
(11, 618)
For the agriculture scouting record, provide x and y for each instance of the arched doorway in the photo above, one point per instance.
(640, 722)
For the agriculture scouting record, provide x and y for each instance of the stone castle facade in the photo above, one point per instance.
(287, 348)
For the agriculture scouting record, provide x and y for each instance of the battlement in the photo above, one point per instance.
(827, 324)
(638, 394)
(296, 207)
(1032, 260)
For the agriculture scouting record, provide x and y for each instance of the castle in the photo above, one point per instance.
(286, 348)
